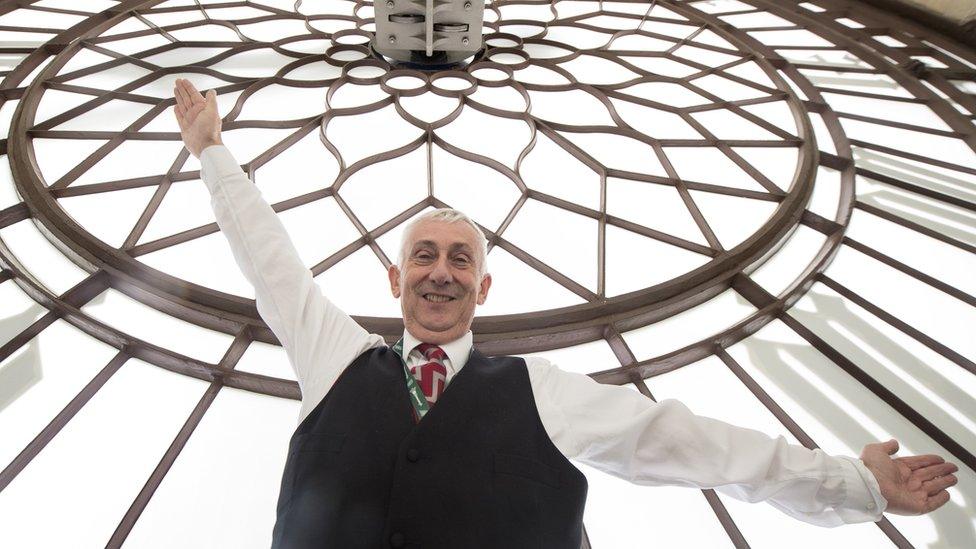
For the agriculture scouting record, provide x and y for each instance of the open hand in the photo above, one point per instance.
(913, 485)
(197, 116)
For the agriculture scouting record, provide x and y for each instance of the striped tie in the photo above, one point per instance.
(432, 376)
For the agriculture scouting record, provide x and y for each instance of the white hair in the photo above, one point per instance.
(446, 215)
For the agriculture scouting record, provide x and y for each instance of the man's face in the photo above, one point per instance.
(439, 284)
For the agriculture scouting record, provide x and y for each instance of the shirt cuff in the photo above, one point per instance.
(216, 164)
(863, 501)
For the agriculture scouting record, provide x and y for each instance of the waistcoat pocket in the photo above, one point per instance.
(511, 464)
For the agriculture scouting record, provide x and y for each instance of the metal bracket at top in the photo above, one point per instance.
(428, 31)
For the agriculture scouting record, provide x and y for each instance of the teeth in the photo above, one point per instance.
(437, 298)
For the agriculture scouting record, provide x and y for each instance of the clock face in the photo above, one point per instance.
(763, 208)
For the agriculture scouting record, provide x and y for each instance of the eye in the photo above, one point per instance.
(462, 260)
(423, 255)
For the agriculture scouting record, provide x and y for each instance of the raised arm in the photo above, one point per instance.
(319, 338)
(626, 434)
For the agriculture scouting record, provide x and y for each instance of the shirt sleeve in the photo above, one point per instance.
(621, 432)
(319, 338)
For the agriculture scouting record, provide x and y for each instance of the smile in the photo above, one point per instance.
(435, 298)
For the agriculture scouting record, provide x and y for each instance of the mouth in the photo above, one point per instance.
(438, 298)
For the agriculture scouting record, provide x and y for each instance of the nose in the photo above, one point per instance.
(441, 272)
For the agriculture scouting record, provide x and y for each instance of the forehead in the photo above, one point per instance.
(443, 233)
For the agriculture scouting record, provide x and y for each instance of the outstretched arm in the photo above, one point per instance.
(319, 338)
(625, 434)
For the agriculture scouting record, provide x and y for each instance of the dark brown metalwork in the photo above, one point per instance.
(602, 316)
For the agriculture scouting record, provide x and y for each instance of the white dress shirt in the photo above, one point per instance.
(611, 428)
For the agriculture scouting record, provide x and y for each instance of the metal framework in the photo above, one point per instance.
(925, 64)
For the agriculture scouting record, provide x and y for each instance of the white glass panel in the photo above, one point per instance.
(786, 264)
(267, 360)
(38, 380)
(943, 180)
(667, 93)
(945, 218)
(825, 141)
(623, 515)
(721, 6)
(779, 165)
(302, 168)
(635, 261)
(618, 152)
(133, 159)
(897, 111)
(728, 125)
(938, 389)
(826, 193)
(381, 191)
(518, 288)
(756, 19)
(697, 323)
(920, 305)
(486, 195)
(19, 311)
(283, 103)
(55, 157)
(937, 147)
(571, 250)
(186, 205)
(941, 261)
(709, 165)
(247, 143)
(654, 206)
(130, 316)
(226, 502)
(733, 219)
(570, 107)
(355, 138)
(727, 89)
(587, 358)
(318, 229)
(40, 257)
(841, 416)
(8, 194)
(497, 138)
(710, 389)
(126, 207)
(362, 272)
(654, 123)
(8, 108)
(799, 37)
(550, 168)
(90, 473)
(206, 261)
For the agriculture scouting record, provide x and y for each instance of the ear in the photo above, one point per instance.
(483, 291)
(394, 274)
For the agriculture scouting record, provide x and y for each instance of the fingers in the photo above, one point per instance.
(939, 484)
(182, 97)
(191, 91)
(936, 501)
(180, 121)
(933, 471)
(891, 446)
(916, 462)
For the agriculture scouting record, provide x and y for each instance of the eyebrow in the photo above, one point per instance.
(454, 247)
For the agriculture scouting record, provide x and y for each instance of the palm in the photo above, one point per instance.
(913, 485)
(197, 116)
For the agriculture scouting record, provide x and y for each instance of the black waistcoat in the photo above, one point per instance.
(478, 470)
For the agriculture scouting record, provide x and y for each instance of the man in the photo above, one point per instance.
(384, 455)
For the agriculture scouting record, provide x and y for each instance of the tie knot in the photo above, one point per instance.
(431, 351)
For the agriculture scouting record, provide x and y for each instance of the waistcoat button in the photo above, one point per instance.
(413, 454)
(397, 540)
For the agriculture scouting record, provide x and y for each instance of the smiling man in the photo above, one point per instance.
(430, 443)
